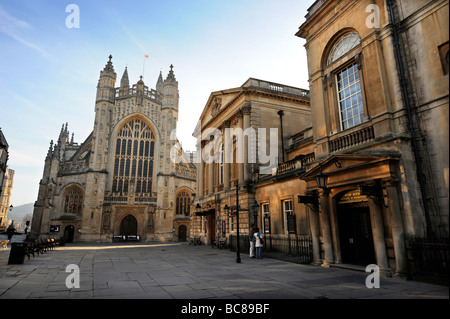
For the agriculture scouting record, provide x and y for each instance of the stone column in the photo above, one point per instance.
(240, 148)
(226, 164)
(326, 227)
(246, 111)
(211, 177)
(398, 233)
(315, 236)
(376, 217)
(200, 174)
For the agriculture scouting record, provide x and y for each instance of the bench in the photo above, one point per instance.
(133, 238)
(4, 243)
(222, 243)
(195, 241)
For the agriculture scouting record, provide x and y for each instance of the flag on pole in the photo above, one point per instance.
(147, 56)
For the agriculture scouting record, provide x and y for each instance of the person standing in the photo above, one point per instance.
(259, 242)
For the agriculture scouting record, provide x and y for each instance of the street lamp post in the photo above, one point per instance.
(227, 209)
(254, 209)
(238, 249)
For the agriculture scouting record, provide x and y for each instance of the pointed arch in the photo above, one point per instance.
(132, 156)
(73, 199)
(183, 201)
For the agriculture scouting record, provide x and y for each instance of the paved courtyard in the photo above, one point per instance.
(180, 271)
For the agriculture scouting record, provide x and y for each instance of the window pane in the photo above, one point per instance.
(131, 157)
(350, 100)
(346, 43)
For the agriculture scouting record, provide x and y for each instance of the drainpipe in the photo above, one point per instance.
(281, 113)
(404, 86)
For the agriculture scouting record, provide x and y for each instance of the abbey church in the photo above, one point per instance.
(120, 182)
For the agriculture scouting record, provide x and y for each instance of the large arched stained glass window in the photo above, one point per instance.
(343, 45)
(73, 200)
(134, 158)
(183, 203)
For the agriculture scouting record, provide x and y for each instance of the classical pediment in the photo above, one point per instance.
(219, 102)
(348, 169)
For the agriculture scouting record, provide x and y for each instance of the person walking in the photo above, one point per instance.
(259, 242)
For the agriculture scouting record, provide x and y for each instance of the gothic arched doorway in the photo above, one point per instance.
(128, 226)
(69, 231)
(182, 230)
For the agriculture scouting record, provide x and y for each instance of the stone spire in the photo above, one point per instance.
(159, 83)
(50, 151)
(109, 66)
(171, 75)
(124, 82)
(106, 83)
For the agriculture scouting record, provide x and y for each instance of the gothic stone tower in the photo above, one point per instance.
(120, 181)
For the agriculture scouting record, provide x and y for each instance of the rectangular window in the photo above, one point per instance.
(350, 97)
(287, 210)
(265, 218)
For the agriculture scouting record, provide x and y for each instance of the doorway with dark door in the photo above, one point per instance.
(212, 228)
(128, 226)
(355, 234)
(69, 232)
(182, 230)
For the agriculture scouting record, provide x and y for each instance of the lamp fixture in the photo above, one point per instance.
(322, 179)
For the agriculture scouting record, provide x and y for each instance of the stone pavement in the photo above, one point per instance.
(180, 271)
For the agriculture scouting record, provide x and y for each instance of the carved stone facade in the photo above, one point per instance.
(120, 181)
(229, 159)
(379, 99)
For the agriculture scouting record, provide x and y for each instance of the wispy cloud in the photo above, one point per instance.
(133, 38)
(11, 27)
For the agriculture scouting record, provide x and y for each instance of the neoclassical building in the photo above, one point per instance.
(120, 181)
(244, 138)
(378, 73)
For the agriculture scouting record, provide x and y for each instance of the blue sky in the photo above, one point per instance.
(49, 73)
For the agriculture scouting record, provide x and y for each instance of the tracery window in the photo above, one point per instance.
(183, 203)
(73, 200)
(134, 158)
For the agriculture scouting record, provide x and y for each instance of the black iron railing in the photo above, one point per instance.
(429, 257)
(292, 248)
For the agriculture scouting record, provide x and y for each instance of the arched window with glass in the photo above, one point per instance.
(73, 200)
(183, 203)
(134, 158)
(348, 81)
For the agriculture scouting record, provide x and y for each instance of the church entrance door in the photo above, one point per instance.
(69, 231)
(128, 226)
(182, 233)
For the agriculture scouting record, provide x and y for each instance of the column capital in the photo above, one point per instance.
(247, 109)
(226, 124)
(323, 192)
(392, 181)
(239, 114)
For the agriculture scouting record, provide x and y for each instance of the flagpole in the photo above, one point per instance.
(143, 68)
(143, 65)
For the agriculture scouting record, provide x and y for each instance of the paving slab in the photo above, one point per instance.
(179, 271)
